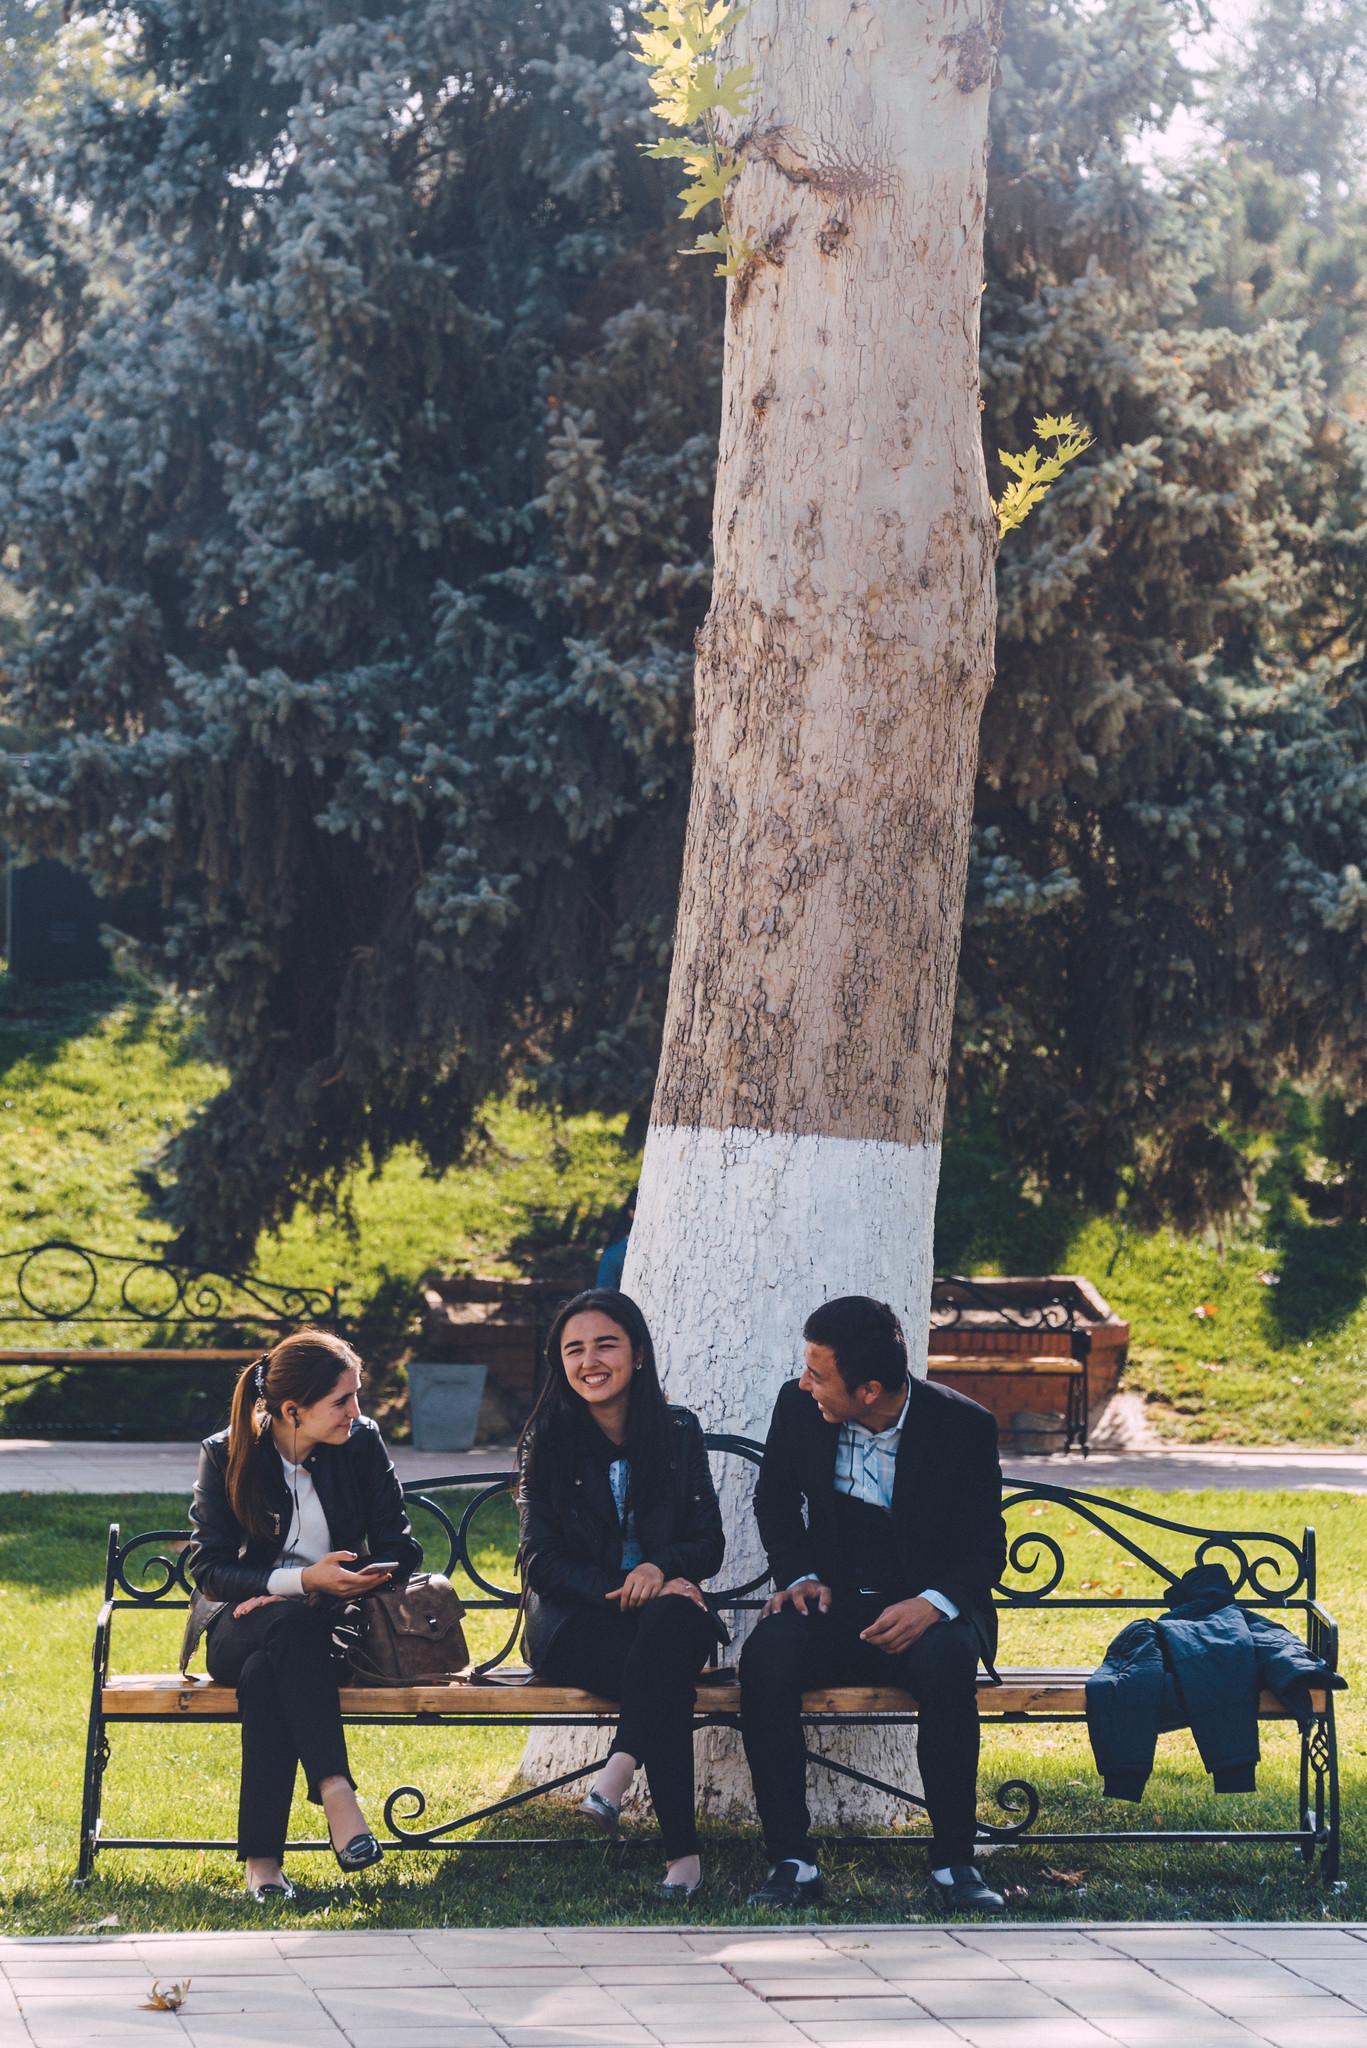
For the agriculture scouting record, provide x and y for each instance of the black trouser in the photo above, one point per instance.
(649, 1659)
(791, 1653)
(279, 1658)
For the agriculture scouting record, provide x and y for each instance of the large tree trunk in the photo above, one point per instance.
(793, 1152)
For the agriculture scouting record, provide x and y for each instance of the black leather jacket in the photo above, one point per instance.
(358, 1490)
(570, 1560)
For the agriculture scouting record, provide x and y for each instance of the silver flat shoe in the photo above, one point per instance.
(270, 1894)
(600, 1811)
(678, 1894)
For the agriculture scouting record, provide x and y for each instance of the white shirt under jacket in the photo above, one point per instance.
(307, 1538)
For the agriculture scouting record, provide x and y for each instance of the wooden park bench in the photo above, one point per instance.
(1046, 1338)
(132, 1303)
(146, 1574)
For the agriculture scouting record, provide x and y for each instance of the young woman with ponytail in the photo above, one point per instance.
(289, 1496)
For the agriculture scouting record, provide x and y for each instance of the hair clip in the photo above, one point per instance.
(260, 1372)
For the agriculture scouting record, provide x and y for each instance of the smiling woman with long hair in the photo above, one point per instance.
(619, 1523)
(289, 1497)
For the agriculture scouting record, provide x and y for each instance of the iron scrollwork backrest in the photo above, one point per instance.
(1267, 1569)
(462, 1548)
(61, 1282)
(149, 1570)
(953, 1298)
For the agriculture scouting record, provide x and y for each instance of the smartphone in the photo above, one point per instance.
(373, 1564)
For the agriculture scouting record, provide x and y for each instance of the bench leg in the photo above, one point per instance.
(96, 1755)
(96, 1762)
(1325, 1758)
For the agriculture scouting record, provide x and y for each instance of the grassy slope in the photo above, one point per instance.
(91, 1082)
(1277, 1358)
(179, 1778)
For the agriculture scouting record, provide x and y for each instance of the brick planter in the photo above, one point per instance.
(1030, 1318)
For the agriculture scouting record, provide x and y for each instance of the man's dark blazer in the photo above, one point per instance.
(946, 1501)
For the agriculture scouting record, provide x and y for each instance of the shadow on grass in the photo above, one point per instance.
(1323, 1275)
(38, 1018)
(985, 1212)
(117, 1403)
(1322, 1264)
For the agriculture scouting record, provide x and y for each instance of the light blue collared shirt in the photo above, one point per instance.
(866, 1467)
(619, 1479)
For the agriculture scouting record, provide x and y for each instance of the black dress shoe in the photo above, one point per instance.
(784, 1888)
(360, 1852)
(271, 1894)
(966, 1893)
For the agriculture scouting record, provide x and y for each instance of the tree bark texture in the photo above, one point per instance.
(793, 1152)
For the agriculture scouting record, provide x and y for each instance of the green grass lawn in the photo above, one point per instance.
(179, 1778)
(94, 1078)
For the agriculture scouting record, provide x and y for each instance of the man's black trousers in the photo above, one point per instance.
(279, 1658)
(649, 1659)
(791, 1653)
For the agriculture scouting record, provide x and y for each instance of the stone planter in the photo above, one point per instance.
(443, 1402)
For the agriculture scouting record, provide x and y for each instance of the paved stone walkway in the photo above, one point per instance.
(34, 1465)
(1183, 1986)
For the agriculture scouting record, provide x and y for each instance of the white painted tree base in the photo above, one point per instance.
(747, 1232)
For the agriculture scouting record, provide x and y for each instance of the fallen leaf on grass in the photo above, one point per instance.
(169, 2000)
(1072, 1878)
(1296, 1380)
(1205, 1310)
(1270, 1279)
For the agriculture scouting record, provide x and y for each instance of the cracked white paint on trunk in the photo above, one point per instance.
(739, 1234)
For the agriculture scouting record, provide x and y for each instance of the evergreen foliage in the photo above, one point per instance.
(363, 533)
(355, 475)
(1166, 910)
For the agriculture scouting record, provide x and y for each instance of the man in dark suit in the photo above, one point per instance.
(886, 1580)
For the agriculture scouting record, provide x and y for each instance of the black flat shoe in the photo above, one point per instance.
(270, 1894)
(360, 1852)
(785, 1889)
(600, 1811)
(967, 1893)
(678, 1894)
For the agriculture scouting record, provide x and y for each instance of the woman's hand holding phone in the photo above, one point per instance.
(331, 1575)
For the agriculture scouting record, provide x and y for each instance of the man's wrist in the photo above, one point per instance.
(942, 1601)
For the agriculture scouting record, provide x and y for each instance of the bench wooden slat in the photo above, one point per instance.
(1001, 1365)
(100, 1355)
(167, 1695)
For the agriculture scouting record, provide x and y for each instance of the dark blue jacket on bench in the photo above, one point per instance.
(1201, 1666)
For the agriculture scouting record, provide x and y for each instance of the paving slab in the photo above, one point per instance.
(63, 1465)
(1031, 1986)
(57, 1465)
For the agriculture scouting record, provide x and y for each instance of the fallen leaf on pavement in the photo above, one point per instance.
(169, 2000)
